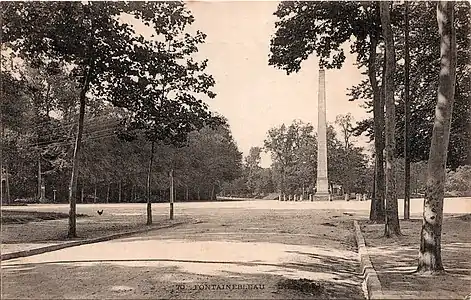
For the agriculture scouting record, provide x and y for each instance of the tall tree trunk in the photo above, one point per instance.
(48, 92)
(108, 193)
(377, 202)
(198, 194)
(430, 259)
(172, 194)
(1, 147)
(131, 196)
(94, 194)
(373, 193)
(406, 117)
(186, 193)
(120, 191)
(40, 182)
(81, 194)
(7, 183)
(212, 192)
(149, 173)
(283, 180)
(72, 233)
(392, 216)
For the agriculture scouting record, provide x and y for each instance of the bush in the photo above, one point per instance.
(459, 182)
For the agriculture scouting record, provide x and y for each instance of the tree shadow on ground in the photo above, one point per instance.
(158, 278)
(395, 260)
(154, 278)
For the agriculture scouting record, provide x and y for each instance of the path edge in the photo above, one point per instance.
(370, 277)
(50, 248)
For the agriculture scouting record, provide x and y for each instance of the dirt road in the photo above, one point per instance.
(232, 253)
(237, 250)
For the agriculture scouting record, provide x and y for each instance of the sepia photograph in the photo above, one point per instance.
(244, 149)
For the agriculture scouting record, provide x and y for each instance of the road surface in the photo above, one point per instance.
(237, 250)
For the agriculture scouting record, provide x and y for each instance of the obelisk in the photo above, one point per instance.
(322, 184)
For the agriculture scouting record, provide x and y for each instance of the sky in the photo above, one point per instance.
(252, 95)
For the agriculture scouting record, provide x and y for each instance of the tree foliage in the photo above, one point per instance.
(154, 79)
(294, 159)
(459, 181)
(424, 53)
(323, 28)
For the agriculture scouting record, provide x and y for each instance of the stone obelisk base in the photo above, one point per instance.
(322, 192)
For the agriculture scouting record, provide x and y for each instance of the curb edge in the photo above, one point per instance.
(370, 277)
(50, 248)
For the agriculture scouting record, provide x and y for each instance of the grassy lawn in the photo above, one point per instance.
(22, 217)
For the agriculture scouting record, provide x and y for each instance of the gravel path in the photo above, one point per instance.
(232, 253)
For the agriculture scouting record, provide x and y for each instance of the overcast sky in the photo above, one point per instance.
(252, 95)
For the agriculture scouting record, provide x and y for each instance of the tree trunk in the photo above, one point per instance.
(212, 193)
(430, 259)
(406, 117)
(283, 179)
(7, 183)
(149, 202)
(81, 194)
(40, 194)
(72, 233)
(172, 193)
(131, 196)
(392, 216)
(1, 151)
(108, 193)
(119, 191)
(377, 202)
(186, 193)
(198, 194)
(94, 195)
(373, 193)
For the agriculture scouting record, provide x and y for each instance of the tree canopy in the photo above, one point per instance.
(424, 48)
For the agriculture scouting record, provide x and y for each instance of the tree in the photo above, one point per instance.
(459, 181)
(253, 169)
(252, 161)
(323, 27)
(293, 152)
(111, 62)
(86, 44)
(13, 106)
(166, 104)
(345, 123)
(346, 126)
(392, 218)
(294, 159)
(430, 259)
(218, 157)
(424, 50)
(406, 115)
(33, 134)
